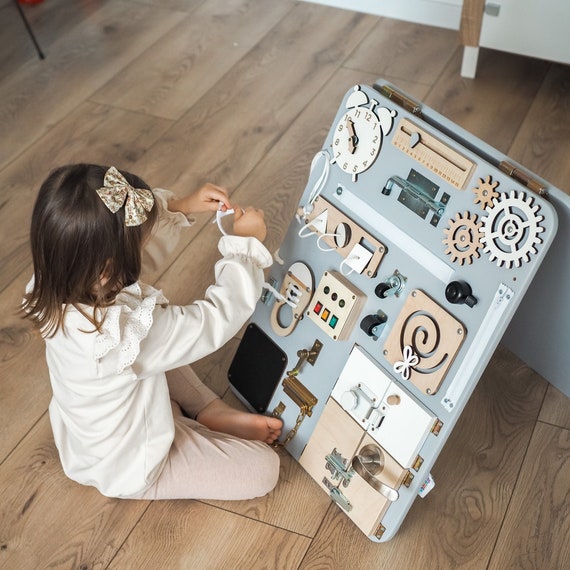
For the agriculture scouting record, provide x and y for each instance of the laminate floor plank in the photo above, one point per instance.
(228, 131)
(493, 106)
(536, 530)
(25, 383)
(182, 5)
(555, 408)
(48, 521)
(542, 144)
(16, 47)
(193, 535)
(404, 51)
(168, 78)
(43, 92)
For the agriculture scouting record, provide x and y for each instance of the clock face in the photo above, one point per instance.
(356, 140)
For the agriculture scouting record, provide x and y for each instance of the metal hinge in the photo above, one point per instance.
(401, 100)
(523, 177)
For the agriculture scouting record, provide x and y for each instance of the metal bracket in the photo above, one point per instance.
(306, 355)
(337, 496)
(337, 465)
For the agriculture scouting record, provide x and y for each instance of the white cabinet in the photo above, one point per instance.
(526, 27)
(440, 13)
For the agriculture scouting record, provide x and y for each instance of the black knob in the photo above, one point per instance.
(458, 292)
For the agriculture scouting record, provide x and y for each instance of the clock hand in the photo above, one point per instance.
(352, 139)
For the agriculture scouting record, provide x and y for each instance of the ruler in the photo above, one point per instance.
(435, 155)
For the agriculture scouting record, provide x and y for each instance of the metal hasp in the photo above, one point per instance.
(337, 465)
(418, 194)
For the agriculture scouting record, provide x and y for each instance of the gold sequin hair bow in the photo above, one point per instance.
(117, 191)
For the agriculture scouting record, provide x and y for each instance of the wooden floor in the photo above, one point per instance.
(242, 93)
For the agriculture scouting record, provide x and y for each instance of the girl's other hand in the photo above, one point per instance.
(206, 199)
(249, 223)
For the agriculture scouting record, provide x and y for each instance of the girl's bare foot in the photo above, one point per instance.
(219, 416)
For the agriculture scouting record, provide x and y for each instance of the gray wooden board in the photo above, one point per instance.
(416, 250)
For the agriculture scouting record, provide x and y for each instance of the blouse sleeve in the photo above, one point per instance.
(166, 232)
(183, 334)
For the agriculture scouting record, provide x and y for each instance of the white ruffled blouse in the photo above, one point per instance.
(110, 412)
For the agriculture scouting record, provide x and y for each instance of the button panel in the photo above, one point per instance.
(337, 305)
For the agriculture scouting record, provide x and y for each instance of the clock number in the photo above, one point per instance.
(345, 166)
(337, 142)
(364, 163)
(355, 168)
(368, 116)
(375, 139)
(357, 113)
(373, 152)
(340, 127)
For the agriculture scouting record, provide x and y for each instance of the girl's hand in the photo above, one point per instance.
(205, 199)
(249, 223)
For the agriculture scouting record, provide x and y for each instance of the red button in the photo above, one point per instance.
(318, 307)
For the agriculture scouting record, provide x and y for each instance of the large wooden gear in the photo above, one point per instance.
(463, 238)
(511, 230)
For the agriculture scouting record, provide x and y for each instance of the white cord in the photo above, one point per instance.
(319, 184)
(325, 249)
(284, 298)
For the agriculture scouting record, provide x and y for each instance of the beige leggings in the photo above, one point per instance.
(204, 464)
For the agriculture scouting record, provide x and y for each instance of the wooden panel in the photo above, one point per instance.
(188, 534)
(536, 532)
(47, 520)
(434, 337)
(471, 19)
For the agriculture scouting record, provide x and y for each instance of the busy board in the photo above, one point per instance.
(409, 253)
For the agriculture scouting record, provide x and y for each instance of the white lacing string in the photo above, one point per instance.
(326, 249)
(291, 296)
(320, 183)
(220, 214)
(345, 262)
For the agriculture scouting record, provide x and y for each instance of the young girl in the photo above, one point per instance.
(129, 416)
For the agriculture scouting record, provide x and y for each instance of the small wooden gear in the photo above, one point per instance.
(463, 238)
(485, 192)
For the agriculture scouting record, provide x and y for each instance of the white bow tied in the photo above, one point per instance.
(117, 191)
(411, 359)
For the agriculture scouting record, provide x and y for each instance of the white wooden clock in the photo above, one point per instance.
(357, 137)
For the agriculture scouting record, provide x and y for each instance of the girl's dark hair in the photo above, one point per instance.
(83, 254)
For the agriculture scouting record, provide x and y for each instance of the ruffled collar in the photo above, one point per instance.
(127, 323)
